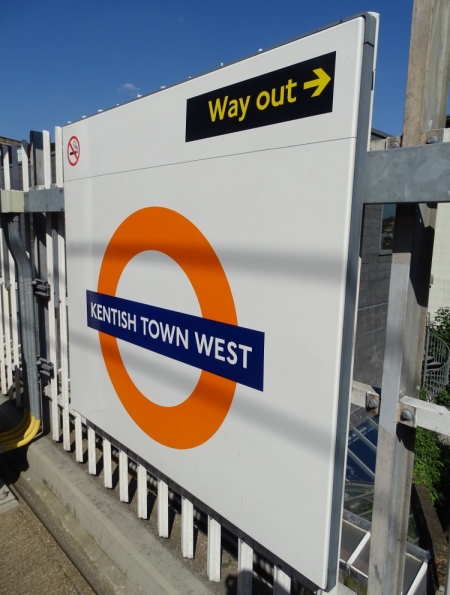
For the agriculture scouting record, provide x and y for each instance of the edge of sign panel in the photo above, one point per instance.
(369, 33)
(351, 291)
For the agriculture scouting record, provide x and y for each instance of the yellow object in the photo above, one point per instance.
(27, 437)
(16, 431)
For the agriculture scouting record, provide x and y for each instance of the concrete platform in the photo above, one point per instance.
(31, 561)
(105, 539)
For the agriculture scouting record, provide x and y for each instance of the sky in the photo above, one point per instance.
(63, 60)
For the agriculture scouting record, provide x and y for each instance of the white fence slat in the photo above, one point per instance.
(5, 299)
(6, 175)
(63, 329)
(51, 353)
(281, 582)
(92, 459)
(9, 352)
(123, 477)
(163, 509)
(47, 159)
(6, 316)
(25, 167)
(78, 438)
(142, 492)
(245, 568)
(187, 527)
(15, 168)
(14, 318)
(107, 464)
(214, 553)
(58, 157)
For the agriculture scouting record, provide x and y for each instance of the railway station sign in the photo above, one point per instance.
(212, 245)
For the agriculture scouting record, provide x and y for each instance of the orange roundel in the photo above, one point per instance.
(197, 419)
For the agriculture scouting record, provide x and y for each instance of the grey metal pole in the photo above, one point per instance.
(408, 298)
(27, 312)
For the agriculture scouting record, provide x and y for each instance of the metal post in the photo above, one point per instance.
(426, 100)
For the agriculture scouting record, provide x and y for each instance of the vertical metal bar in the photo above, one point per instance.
(5, 288)
(14, 319)
(15, 168)
(58, 157)
(6, 257)
(2, 351)
(47, 159)
(52, 353)
(187, 527)
(78, 438)
(245, 568)
(425, 107)
(2, 180)
(163, 509)
(25, 167)
(214, 552)
(107, 464)
(92, 459)
(4, 319)
(12, 302)
(63, 329)
(8, 334)
(2, 345)
(281, 582)
(123, 477)
(25, 187)
(17, 387)
(6, 174)
(142, 491)
(395, 441)
(427, 348)
(51, 347)
(36, 159)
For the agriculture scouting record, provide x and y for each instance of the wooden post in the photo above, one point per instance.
(426, 100)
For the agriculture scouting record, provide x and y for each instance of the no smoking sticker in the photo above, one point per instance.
(73, 150)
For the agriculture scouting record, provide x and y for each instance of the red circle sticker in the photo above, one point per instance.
(73, 150)
(197, 419)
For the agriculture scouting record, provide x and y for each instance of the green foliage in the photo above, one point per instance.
(441, 324)
(432, 453)
(443, 398)
(427, 462)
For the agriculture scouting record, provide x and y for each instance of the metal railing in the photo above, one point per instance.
(435, 366)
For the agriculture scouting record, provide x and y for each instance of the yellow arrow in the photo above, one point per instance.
(320, 82)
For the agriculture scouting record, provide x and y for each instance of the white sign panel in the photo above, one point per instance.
(208, 235)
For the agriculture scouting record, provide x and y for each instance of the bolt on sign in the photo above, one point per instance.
(212, 242)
